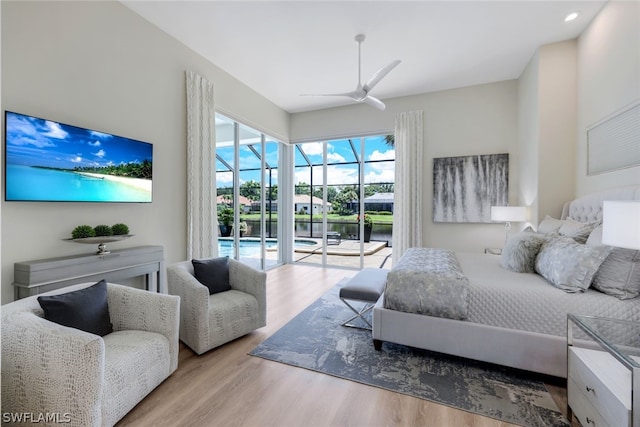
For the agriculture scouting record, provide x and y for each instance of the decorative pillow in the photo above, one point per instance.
(213, 273)
(595, 238)
(85, 309)
(577, 230)
(520, 251)
(549, 225)
(570, 265)
(619, 274)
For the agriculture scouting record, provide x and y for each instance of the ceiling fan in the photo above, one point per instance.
(361, 93)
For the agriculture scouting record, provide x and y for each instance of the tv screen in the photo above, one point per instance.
(51, 161)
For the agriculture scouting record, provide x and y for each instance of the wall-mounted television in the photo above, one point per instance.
(55, 162)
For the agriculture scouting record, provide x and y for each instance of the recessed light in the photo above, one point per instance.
(571, 16)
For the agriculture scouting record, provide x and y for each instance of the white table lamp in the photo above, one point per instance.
(508, 214)
(621, 224)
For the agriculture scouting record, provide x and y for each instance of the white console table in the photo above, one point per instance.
(36, 277)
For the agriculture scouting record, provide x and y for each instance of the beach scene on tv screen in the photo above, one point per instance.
(50, 161)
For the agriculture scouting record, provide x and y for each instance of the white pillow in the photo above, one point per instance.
(549, 225)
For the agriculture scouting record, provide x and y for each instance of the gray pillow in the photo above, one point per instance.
(85, 309)
(520, 251)
(549, 225)
(213, 273)
(579, 231)
(619, 274)
(569, 265)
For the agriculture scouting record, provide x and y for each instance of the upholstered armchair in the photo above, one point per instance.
(208, 321)
(79, 378)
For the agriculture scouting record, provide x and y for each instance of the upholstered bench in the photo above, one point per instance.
(365, 287)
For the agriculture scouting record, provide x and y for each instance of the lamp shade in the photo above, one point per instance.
(509, 213)
(621, 224)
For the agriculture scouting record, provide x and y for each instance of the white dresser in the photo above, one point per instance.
(603, 381)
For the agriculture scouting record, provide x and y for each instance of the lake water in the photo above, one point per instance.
(30, 183)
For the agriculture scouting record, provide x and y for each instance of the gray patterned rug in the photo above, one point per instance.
(315, 340)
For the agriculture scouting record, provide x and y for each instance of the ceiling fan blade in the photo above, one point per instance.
(378, 75)
(374, 102)
(349, 94)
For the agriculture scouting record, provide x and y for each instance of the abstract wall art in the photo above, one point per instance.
(465, 187)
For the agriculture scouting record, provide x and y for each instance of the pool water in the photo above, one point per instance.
(251, 247)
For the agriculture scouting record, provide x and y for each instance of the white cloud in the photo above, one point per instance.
(94, 143)
(335, 157)
(100, 153)
(54, 130)
(100, 134)
(76, 159)
(312, 148)
(387, 155)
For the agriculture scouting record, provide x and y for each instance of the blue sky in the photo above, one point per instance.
(37, 142)
(338, 151)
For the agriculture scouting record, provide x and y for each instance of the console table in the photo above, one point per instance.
(35, 277)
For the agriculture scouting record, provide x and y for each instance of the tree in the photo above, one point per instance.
(250, 189)
(342, 201)
(390, 140)
(303, 188)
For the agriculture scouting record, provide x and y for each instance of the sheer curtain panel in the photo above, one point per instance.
(202, 235)
(408, 195)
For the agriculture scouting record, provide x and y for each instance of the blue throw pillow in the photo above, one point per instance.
(85, 309)
(213, 273)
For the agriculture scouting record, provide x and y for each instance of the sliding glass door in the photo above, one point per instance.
(247, 199)
(344, 201)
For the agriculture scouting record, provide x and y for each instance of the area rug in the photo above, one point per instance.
(315, 340)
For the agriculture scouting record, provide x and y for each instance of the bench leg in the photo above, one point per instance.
(377, 344)
(359, 314)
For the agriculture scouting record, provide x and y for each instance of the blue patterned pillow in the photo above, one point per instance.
(569, 265)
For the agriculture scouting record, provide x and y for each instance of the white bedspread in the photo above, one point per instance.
(526, 301)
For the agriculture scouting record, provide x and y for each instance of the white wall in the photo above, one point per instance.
(472, 120)
(608, 80)
(528, 136)
(101, 66)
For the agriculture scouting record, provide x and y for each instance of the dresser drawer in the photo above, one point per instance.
(603, 382)
(582, 408)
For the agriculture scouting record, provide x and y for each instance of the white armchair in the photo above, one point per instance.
(208, 321)
(80, 378)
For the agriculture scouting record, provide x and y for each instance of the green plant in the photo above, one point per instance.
(120, 229)
(83, 231)
(225, 216)
(103, 230)
(368, 221)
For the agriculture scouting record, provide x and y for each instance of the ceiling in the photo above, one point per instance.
(282, 49)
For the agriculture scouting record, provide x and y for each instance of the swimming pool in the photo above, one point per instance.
(251, 246)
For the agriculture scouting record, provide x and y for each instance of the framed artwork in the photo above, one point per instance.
(465, 187)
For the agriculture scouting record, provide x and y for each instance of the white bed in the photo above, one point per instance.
(514, 319)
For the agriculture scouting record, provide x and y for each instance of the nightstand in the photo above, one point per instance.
(603, 371)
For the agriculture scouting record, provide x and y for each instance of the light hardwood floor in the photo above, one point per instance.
(227, 387)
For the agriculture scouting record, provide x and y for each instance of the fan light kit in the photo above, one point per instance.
(361, 93)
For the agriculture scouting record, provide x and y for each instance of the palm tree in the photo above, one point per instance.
(390, 140)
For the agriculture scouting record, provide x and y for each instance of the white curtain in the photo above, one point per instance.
(408, 195)
(202, 222)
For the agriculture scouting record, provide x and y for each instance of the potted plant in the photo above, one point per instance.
(243, 228)
(225, 221)
(368, 225)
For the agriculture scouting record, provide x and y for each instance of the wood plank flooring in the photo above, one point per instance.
(227, 387)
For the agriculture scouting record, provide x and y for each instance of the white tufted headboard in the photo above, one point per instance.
(589, 208)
